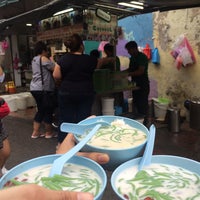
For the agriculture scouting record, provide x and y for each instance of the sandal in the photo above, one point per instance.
(37, 136)
(50, 135)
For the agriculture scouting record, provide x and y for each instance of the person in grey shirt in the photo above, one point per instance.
(42, 80)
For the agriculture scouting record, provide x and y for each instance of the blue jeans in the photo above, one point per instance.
(73, 108)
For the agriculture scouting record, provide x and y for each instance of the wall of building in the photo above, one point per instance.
(172, 83)
(138, 28)
(167, 27)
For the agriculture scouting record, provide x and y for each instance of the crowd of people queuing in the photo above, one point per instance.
(72, 79)
(75, 91)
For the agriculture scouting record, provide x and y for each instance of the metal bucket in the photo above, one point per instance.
(173, 116)
(195, 115)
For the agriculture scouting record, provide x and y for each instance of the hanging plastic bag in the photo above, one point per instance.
(182, 52)
(178, 62)
(186, 56)
(155, 56)
(147, 51)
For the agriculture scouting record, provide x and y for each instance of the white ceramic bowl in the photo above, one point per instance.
(12, 173)
(117, 156)
(188, 164)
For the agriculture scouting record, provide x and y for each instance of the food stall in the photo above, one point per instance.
(97, 28)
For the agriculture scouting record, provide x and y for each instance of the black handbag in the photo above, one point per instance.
(49, 97)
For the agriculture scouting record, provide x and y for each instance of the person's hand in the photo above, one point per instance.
(33, 192)
(69, 142)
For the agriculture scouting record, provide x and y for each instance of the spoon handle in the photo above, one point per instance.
(59, 162)
(79, 129)
(146, 158)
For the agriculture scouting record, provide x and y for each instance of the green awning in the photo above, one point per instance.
(6, 2)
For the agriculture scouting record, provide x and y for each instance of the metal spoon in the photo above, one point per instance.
(80, 129)
(59, 162)
(146, 159)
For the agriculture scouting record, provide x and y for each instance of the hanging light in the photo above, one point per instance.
(63, 11)
(130, 5)
(137, 3)
(28, 24)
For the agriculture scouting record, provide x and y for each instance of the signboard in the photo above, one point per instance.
(103, 15)
(96, 28)
(61, 26)
(59, 33)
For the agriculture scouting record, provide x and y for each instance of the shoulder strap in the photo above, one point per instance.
(41, 71)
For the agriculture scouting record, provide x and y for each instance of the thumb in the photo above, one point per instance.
(68, 195)
(32, 192)
(84, 196)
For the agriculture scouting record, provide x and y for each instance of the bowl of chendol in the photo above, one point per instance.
(166, 177)
(74, 176)
(122, 140)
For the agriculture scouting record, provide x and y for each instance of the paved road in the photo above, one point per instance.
(22, 146)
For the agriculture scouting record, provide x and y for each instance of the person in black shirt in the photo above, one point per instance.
(76, 91)
(138, 70)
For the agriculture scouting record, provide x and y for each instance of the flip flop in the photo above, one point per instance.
(37, 136)
(50, 136)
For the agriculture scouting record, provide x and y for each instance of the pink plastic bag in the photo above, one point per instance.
(182, 52)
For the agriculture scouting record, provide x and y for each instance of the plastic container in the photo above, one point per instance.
(160, 108)
(11, 101)
(30, 100)
(102, 80)
(21, 102)
(117, 81)
(11, 87)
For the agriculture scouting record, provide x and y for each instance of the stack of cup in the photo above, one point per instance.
(108, 106)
